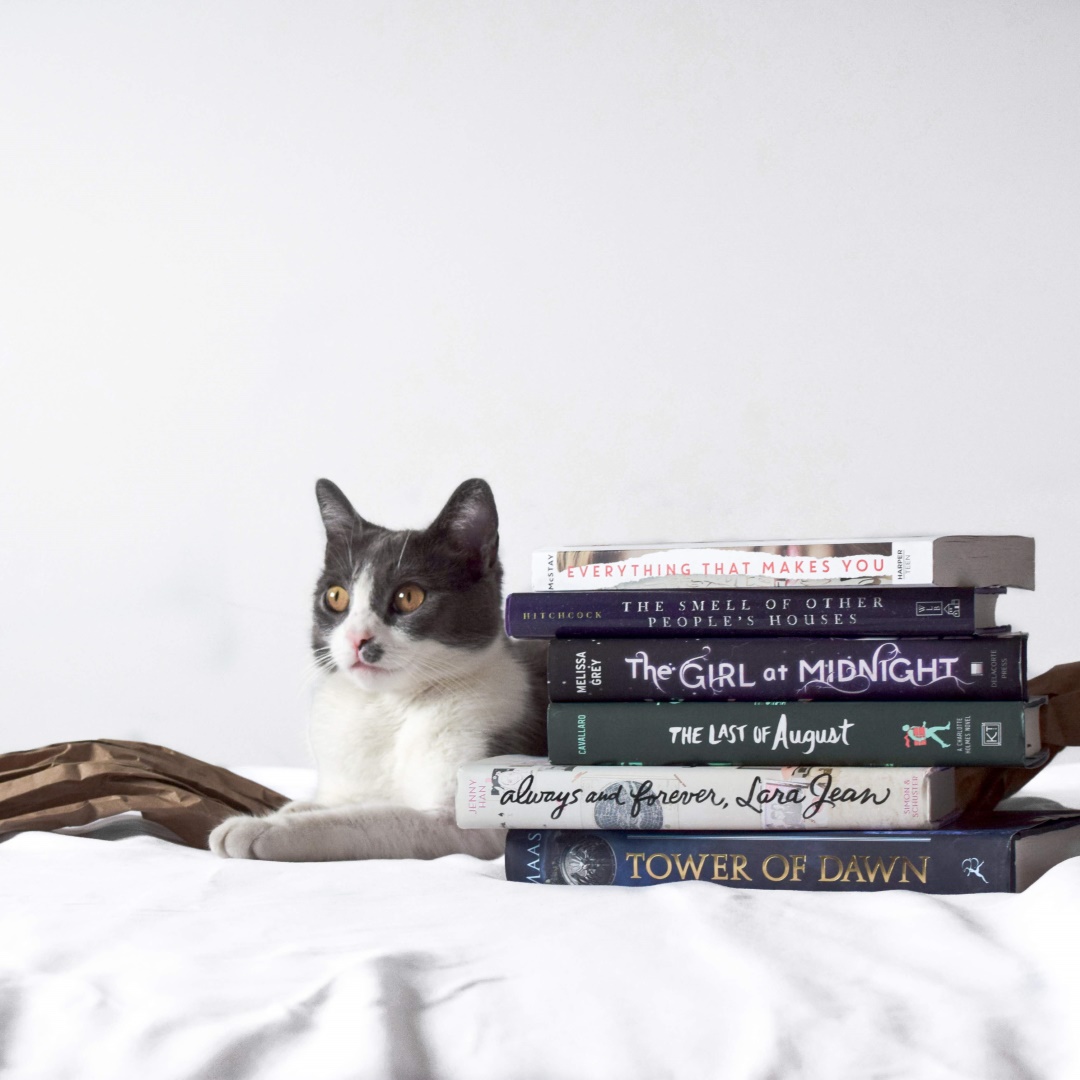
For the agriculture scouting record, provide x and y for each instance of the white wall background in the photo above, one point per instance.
(717, 269)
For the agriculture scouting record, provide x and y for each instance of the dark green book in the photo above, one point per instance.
(794, 733)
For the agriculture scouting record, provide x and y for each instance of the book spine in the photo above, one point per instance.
(908, 561)
(783, 668)
(931, 861)
(783, 733)
(545, 796)
(886, 612)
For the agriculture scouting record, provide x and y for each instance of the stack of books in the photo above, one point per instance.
(773, 714)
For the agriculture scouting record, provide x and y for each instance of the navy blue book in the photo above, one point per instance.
(896, 611)
(996, 852)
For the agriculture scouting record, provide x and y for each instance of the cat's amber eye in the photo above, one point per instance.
(337, 598)
(408, 598)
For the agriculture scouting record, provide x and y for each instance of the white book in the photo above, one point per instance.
(515, 792)
(975, 561)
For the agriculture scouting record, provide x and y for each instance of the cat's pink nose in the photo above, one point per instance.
(368, 651)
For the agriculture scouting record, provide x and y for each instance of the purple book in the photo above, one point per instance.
(788, 668)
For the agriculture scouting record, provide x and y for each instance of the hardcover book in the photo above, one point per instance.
(787, 668)
(1000, 852)
(886, 612)
(782, 733)
(514, 791)
(925, 560)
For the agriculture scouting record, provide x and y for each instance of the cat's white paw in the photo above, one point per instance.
(236, 837)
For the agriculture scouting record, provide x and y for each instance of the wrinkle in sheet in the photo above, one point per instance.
(365, 1021)
(407, 997)
(244, 1058)
(402, 1003)
(1003, 1039)
(10, 1008)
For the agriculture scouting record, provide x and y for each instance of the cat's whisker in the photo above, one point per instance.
(320, 663)
(317, 666)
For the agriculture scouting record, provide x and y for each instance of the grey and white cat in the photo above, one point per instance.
(416, 678)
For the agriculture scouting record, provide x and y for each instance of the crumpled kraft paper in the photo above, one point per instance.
(1060, 717)
(980, 789)
(76, 783)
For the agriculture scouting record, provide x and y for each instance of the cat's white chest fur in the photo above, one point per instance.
(405, 747)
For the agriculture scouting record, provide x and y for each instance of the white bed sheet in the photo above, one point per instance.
(140, 958)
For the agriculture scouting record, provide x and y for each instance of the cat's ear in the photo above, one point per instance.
(339, 517)
(470, 522)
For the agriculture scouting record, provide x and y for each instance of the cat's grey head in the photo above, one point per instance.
(396, 610)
